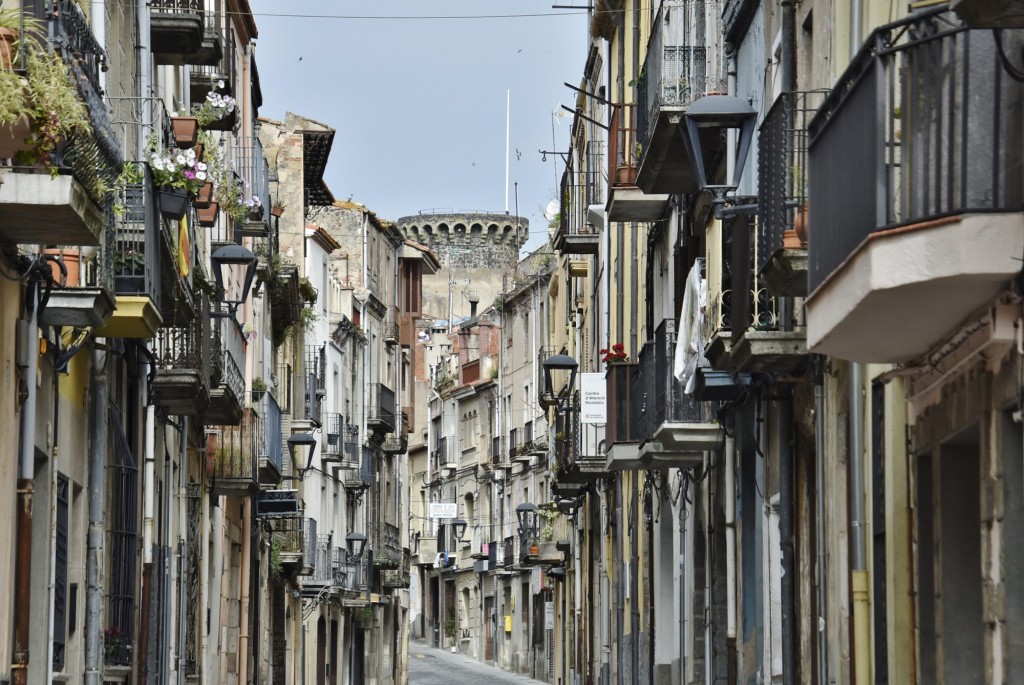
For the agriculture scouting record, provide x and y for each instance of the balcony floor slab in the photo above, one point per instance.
(770, 351)
(629, 203)
(899, 280)
(77, 307)
(623, 456)
(680, 445)
(35, 208)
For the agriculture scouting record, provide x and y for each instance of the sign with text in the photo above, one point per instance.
(593, 396)
(443, 510)
(549, 615)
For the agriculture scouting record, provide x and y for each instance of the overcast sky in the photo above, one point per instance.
(419, 104)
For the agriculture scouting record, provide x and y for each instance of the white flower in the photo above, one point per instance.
(180, 159)
(201, 166)
(201, 175)
(220, 83)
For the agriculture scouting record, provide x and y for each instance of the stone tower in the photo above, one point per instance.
(476, 250)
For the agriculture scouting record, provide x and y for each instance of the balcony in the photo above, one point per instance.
(782, 198)
(182, 371)
(398, 442)
(177, 29)
(82, 297)
(392, 330)
(271, 465)
(627, 202)
(445, 459)
(254, 170)
(380, 412)
(766, 333)
(675, 429)
(214, 62)
(326, 567)
(387, 552)
(361, 477)
(575, 233)
(227, 386)
(622, 433)
(335, 433)
(314, 378)
(677, 70)
(293, 543)
(286, 301)
(232, 454)
(397, 578)
(62, 201)
(924, 211)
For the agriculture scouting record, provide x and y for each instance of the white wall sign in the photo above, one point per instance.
(593, 395)
(443, 510)
(549, 615)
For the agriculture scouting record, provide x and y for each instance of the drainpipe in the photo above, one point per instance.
(145, 68)
(97, 524)
(858, 572)
(243, 620)
(52, 476)
(730, 542)
(165, 652)
(182, 545)
(148, 506)
(819, 517)
(786, 535)
(213, 589)
(26, 488)
(788, 59)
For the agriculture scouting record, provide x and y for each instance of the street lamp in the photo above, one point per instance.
(459, 526)
(717, 113)
(355, 542)
(296, 443)
(224, 260)
(526, 514)
(559, 362)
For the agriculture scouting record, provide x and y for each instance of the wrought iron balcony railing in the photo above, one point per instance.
(624, 403)
(314, 383)
(392, 329)
(622, 146)
(233, 453)
(181, 358)
(387, 552)
(362, 476)
(254, 170)
(397, 577)
(923, 103)
(380, 412)
(573, 217)
(514, 443)
(270, 451)
(663, 398)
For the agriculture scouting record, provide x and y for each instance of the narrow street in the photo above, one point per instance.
(429, 666)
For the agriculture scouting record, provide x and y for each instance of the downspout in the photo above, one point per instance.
(858, 571)
(26, 488)
(213, 652)
(243, 620)
(148, 506)
(786, 535)
(52, 581)
(165, 652)
(819, 517)
(97, 524)
(182, 545)
(730, 543)
(145, 68)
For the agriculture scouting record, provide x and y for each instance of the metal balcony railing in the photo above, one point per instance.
(381, 409)
(514, 443)
(624, 405)
(254, 170)
(362, 475)
(496, 456)
(678, 68)
(288, 540)
(226, 349)
(183, 347)
(237, 449)
(663, 398)
(137, 263)
(397, 577)
(387, 552)
(622, 142)
(782, 167)
(509, 553)
(177, 6)
(923, 101)
(441, 452)
(323, 562)
(392, 329)
(314, 382)
(593, 171)
(575, 192)
(270, 438)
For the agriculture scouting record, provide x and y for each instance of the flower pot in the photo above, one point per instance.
(256, 213)
(207, 216)
(72, 259)
(198, 147)
(625, 176)
(800, 224)
(8, 37)
(277, 211)
(790, 240)
(173, 202)
(185, 131)
(129, 285)
(534, 549)
(205, 195)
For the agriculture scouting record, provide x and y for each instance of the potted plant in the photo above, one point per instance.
(178, 178)
(449, 629)
(217, 107)
(616, 355)
(259, 389)
(277, 210)
(207, 215)
(186, 129)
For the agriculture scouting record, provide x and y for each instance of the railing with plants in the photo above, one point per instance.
(397, 577)
(572, 217)
(254, 171)
(622, 144)
(387, 552)
(236, 448)
(782, 172)
(184, 348)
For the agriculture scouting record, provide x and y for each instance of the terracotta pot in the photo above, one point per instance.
(534, 549)
(185, 131)
(790, 240)
(207, 216)
(800, 224)
(277, 211)
(8, 37)
(205, 195)
(625, 176)
(72, 258)
(13, 137)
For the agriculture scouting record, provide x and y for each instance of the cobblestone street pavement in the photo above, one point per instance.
(429, 666)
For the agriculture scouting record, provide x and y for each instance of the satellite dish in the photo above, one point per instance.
(551, 211)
